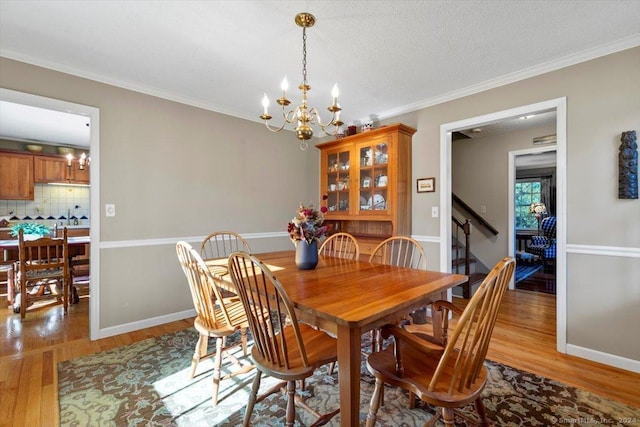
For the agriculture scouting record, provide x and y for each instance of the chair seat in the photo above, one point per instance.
(419, 367)
(321, 349)
(236, 314)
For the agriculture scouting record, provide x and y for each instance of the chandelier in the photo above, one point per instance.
(303, 116)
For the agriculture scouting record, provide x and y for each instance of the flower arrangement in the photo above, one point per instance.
(307, 224)
(29, 228)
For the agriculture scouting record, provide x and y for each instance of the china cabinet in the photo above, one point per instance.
(367, 178)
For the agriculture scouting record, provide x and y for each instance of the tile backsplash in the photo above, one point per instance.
(52, 203)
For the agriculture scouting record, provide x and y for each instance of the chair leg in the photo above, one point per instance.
(375, 403)
(291, 403)
(200, 351)
(448, 416)
(252, 398)
(482, 412)
(217, 364)
(243, 337)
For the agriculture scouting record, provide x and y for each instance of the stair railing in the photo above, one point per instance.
(466, 229)
(475, 215)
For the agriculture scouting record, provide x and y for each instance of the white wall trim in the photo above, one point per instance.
(604, 251)
(94, 192)
(560, 105)
(567, 61)
(556, 64)
(511, 201)
(605, 358)
(426, 239)
(145, 323)
(189, 239)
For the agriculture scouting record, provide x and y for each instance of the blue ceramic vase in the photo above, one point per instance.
(306, 254)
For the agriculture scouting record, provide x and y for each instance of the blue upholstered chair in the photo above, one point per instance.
(545, 246)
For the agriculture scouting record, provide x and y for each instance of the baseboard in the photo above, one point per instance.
(604, 358)
(146, 323)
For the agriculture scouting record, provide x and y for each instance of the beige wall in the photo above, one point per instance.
(199, 158)
(174, 172)
(480, 176)
(603, 100)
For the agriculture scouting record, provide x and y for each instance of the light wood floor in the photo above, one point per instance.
(524, 338)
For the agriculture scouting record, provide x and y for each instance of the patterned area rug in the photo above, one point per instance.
(525, 270)
(147, 383)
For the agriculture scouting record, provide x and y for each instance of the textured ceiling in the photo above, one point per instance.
(388, 57)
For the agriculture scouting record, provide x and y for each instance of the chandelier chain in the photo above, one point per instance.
(304, 56)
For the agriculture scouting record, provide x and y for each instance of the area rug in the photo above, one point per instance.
(525, 270)
(147, 383)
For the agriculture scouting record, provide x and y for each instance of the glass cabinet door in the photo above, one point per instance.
(374, 160)
(338, 165)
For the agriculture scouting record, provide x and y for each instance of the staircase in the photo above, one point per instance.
(458, 265)
(462, 260)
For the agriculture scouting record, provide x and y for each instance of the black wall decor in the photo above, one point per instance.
(628, 166)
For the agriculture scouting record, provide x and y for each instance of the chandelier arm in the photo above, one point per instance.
(274, 129)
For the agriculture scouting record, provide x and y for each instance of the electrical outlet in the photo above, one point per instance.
(110, 210)
(483, 209)
(434, 212)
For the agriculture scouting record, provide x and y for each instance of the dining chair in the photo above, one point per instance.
(221, 244)
(340, 245)
(283, 347)
(399, 251)
(216, 317)
(451, 374)
(42, 271)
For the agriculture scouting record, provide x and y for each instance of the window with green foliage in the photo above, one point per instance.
(527, 191)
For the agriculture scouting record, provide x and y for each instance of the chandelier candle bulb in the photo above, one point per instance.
(335, 93)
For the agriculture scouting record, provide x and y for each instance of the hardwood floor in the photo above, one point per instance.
(524, 337)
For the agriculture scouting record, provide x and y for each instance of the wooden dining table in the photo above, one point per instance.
(348, 298)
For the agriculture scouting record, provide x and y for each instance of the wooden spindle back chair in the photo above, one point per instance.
(217, 317)
(451, 375)
(400, 251)
(283, 348)
(42, 271)
(340, 245)
(221, 244)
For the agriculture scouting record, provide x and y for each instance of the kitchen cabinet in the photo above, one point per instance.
(54, 169)
(49, 169)
(16, 176)
(367, 178)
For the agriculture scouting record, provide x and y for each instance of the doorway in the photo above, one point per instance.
(446, 130)
(532, 176)
(93, 114)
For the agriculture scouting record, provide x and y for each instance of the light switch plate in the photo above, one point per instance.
(434, 212)
(110, 210)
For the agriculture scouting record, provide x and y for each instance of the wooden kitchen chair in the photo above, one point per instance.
(217, 317)
(283, 348)
(42, 271)
(340, 245)
(399, 251)
(221, 244)
(449, 375)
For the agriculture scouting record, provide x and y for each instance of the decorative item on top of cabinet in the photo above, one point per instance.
(367, 177)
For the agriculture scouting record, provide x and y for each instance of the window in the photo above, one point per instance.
(527, 191)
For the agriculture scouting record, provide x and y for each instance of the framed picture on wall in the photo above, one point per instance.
(426, 185)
